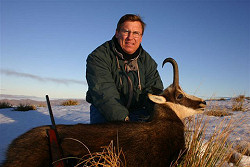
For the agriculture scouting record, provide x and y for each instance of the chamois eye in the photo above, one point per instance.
(180, 96)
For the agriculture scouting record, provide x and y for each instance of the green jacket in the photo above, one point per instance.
(117, 86)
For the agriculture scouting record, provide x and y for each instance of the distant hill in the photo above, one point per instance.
(32, 100)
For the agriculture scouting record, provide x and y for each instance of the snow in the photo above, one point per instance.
(15, 123)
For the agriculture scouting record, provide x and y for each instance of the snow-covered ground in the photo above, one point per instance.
(15, 123)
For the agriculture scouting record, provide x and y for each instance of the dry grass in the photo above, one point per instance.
(218, 111)
(5, 105)
(206, 151)
(25, 107)
(109, 157)
(238, 103)
(70, 103)
(41, 105)
(222, 99)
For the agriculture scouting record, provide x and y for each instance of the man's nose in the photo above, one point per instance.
(130, 35)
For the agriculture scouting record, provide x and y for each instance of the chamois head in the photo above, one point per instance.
(174, 94)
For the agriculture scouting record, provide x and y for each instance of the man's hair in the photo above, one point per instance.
(130, 17)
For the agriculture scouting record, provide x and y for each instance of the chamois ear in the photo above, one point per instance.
(157, 99)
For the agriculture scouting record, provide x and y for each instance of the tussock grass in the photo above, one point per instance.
(41, 105)
(70, 103)
(5, 105)
(218, 111)
(25, 107)
(207, 151)
(238, 103)
(109, 157)
(222, 99)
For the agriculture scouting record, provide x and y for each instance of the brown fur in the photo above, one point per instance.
(154, 143)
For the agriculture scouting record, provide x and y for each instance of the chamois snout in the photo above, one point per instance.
(202, 105)
(204, 102)
(194, 102)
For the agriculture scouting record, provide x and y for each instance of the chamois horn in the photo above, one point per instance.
(175, 72)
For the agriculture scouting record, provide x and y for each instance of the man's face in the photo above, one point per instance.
(129, 36)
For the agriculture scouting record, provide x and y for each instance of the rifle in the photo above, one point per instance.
(56, 151)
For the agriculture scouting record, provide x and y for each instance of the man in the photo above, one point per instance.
(120, 74)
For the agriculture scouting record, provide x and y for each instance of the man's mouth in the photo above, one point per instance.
(129, 44)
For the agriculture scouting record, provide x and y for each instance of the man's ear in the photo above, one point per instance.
(116, 34)
(157, 99)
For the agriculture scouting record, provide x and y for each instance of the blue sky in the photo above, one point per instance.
(45, 43)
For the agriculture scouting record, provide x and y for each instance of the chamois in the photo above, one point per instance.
(147, 144)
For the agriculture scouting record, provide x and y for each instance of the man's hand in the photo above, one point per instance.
(126, 119)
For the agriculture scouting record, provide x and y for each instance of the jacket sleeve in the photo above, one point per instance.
(102, 89)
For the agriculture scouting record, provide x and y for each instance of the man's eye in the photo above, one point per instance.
(136, 33)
